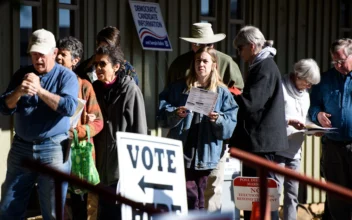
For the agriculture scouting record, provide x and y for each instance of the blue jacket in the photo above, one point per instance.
(211, 134)
(333, 95)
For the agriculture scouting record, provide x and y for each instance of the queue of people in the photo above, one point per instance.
(262, 115)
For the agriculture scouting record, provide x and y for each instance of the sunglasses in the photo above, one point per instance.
(199, 45)
(101, 64)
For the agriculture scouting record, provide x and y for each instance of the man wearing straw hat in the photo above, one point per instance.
(203, 35)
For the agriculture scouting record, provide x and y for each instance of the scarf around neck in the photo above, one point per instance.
(266, 52)
(291, 88)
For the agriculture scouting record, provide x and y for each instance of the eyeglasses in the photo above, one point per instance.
(205, 45)
(101, 64)
(334, 62)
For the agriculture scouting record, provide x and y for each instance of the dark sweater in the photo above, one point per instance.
(123, 110)
(261, 125)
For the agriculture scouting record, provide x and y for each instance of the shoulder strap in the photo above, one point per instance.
(88, 133)
(75, 137)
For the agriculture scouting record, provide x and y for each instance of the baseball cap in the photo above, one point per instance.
(41, 41)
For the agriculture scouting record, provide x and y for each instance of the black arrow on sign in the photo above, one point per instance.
(144, 185)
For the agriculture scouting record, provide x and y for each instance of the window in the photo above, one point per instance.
(345, 18)
(208, 13)
(30, 20)
(68, 18)
(236, 22)
(26, 29)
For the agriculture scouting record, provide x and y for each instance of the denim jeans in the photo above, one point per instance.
(19, 182)
(290, 186)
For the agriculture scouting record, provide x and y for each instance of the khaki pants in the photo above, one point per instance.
(92, 206)
(213, 191)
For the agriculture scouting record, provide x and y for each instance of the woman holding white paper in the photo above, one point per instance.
(306, 73)
(202, 135)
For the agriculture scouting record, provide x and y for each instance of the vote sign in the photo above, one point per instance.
(152, 172)
(246, 191)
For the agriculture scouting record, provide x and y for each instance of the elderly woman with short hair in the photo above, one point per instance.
(261, 127)
(306, 73)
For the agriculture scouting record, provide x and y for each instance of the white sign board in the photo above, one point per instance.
(152, 172)
(196, 215)
(150, 26)
(246, 191)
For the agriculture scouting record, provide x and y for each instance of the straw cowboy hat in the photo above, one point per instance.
(202, 33)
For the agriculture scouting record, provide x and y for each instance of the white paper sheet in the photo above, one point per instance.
(77, 115)
(201, 101)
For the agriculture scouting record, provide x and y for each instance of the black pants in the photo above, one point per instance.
(252, 172)
(108, 209)
(338, 169)
(79, 206)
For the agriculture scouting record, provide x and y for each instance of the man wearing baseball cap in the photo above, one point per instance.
(203, 35)
(42, 97)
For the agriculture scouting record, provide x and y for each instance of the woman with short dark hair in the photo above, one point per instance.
(122, 104)
(69, 55)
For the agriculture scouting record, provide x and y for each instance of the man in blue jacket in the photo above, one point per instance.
(42, 98)
(331, 106)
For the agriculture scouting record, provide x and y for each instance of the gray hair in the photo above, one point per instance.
(307, 69)
(345, 43)
(71, 44)
(252, 35)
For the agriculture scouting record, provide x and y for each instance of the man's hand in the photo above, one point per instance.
(296, 124)
(33, 81)
(324, 120)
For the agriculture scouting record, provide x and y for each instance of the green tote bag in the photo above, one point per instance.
(82, 162)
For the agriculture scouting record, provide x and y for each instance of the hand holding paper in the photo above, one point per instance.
(296, 124)
(201, 101)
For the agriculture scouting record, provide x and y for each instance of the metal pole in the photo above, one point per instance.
(263, 192)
